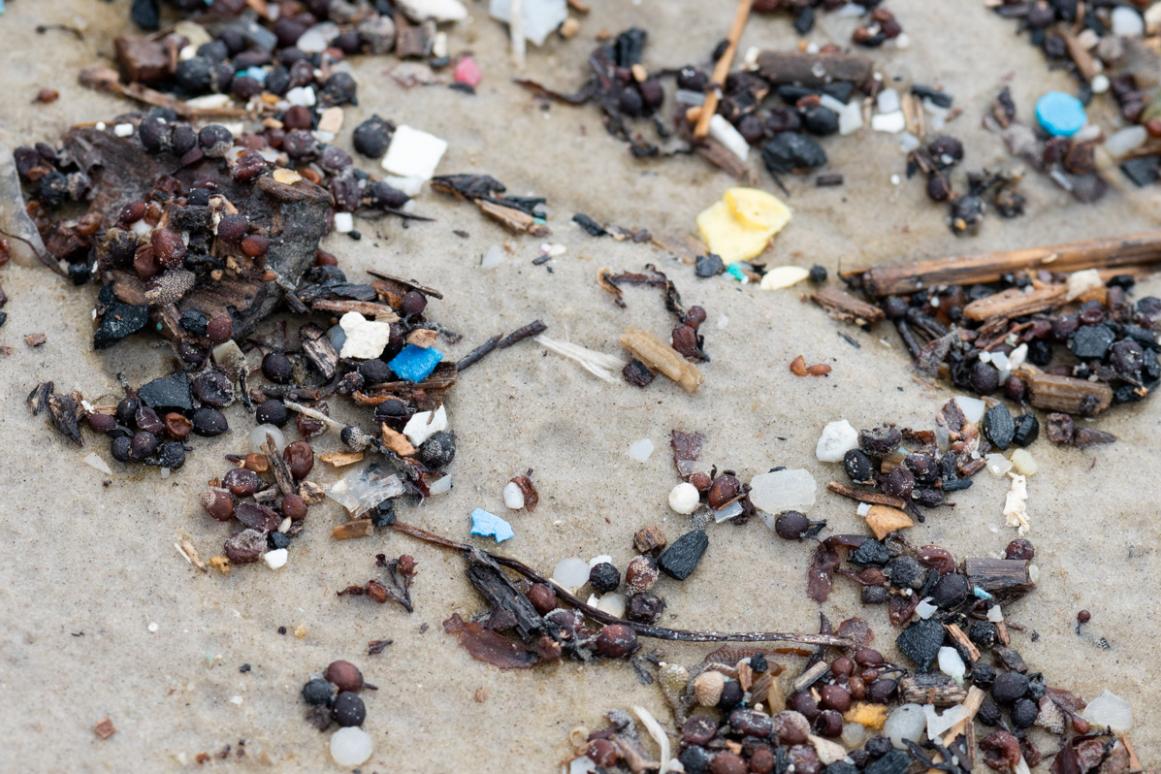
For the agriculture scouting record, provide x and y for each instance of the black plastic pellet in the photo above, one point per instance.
(604, 577)
(277, 368)
(209, 421)
(272, 412)
(818, 274)
(348, 709)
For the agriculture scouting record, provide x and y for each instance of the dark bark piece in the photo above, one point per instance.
(999, 576)
(317, 347)
(931, 688)
(820, 574)
(794, 67)
(502, 596)
(64, 411)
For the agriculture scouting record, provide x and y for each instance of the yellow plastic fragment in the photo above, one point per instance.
(868, 715)
(757, 209)
(740, 227)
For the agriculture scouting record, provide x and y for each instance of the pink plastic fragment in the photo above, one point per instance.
(467, 72)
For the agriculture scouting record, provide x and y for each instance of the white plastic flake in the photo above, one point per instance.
(538, 18)
(1109, 710)
(783, 490)
(972, 408)
(998, 465)
(925, 609)
(837, 438)
(571, 573)
(724, 132)
(276, 559)
(892, 123)
(641, 450)
(938, 724)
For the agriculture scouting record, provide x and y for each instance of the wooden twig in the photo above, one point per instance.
(1134, 250)
(866, 495)
(1050, 392)
(1014, 302)
(722, 69)
(381, 312)
(841, 305)
(658, 355)
(644, 630)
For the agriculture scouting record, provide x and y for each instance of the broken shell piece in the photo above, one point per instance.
(413, 153)
(783, 277)
(1016, 504)
(708, 686)
(883, 520)
(836, 440)
(972, 408)
(94, 461)
(366, 339)
(1080, 282)
(425, 424)
(828, 752)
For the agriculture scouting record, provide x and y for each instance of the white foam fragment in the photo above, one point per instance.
(303, 96)
(276, 559)
(1016, 504)
(836, 439)
(366, 339)
(344, 222)
(425, 424)
(684, 498)
(891, 123)
(863, 509)
(1024, 463)
(413, 153)
(724, 132)
(211, 101)
(123, 130)
(439, 11)
(1080, 282)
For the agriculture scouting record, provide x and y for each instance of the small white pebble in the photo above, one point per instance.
(344, 222)
(836, 439)
(684, 498)
(571, 573)
(998, 465)
(276, 559)
(951, 663)
(153, 627)
(863, 509)
(513, 496)
(123, 130)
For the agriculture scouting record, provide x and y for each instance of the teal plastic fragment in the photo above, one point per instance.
(1060, 114)
(735, 271)
(981, 594)
(485, 524)
(414, 364)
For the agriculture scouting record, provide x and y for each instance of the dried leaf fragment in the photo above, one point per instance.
(357, 528)
(341, 459)
(105, 729)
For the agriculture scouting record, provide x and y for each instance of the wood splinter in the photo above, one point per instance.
(1105, 253)
(721, 70)
(659, 356)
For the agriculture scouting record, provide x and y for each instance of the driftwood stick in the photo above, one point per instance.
(866, 495)
(1105, 253)
(1050, 392)
(644, 630)
(722, 69)
(1014, 302)
(841, 305)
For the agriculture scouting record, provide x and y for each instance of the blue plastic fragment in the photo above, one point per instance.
(735, 271)
(486, 524)
(1060, 114)
(415, 364)
(257, 73)
(981, 594)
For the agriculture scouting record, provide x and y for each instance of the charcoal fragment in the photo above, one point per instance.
(167, 393)
(871, 552)
(1027, 430)
(683, 555)
(999, 427)
(1091, 342)
(921, 641)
